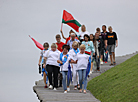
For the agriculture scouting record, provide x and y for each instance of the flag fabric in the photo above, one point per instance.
(88, 53)
(69, 76)
(88, 67)
(69, 20)
(40, 46)
(89, 63)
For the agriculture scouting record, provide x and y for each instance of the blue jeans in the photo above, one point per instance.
(64, 74)
(82, 78)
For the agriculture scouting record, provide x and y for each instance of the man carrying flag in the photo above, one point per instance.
(70, 42)
(68, 38)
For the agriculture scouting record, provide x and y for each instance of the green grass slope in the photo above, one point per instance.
(119, 84)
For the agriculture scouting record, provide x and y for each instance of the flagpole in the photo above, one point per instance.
(29, 36)
(61, 26)
(61, 21)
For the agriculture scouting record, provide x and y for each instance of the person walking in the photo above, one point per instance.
(82, 63)
(73, 56)
(41, 61)
(112, 42)
(70, 42)
(104, 51)
(91, 37)
(98, 30)
(96, 56)
(59, 43)
(52, 67)
(100, 44)
(89, 47)
(59, 47)
(68, 38)
(64, 63)
(83, 32)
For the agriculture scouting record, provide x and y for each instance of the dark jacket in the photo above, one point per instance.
(100, 43)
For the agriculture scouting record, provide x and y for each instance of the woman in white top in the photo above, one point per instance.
(82, 63)
(52, 67)
(41, 61)
(83, 32)
(73, 56)
(64, 63)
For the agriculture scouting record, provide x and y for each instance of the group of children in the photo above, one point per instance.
(74, 58)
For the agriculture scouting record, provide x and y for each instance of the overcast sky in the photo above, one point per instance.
(42, 20)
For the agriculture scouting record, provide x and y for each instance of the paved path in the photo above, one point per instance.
(47, 95)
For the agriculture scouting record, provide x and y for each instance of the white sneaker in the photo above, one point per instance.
(50, 87)
(75, 88)
(54, 89)
(101, 62)
(65, 91)
(68, 89)
(90, 72)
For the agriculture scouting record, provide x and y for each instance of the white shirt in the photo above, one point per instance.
(52, 57)
(82, 62)
(41, 54)
(66, 64)
(83, 33)
(72, 55)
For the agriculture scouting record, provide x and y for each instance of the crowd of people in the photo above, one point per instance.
(71, 59)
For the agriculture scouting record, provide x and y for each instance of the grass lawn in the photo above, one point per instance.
(119, 84)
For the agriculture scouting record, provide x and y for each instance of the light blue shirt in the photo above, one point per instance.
(70, 42)
(89, 46)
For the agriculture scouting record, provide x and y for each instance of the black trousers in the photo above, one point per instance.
(60, 81)
(51, 69)
(97, 60)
